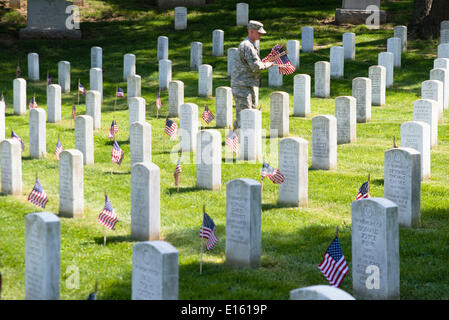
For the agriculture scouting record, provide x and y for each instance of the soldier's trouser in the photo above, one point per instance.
(244, 98)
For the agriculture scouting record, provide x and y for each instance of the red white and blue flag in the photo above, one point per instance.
(113, 129)
(171, 128)
(232, 141)
(33, 103)
(58, 148)
(177, 173)
(158, 100)
(107, 217)
(117, 153)
(15, 136)
(73, 112)
(81, 89)
(38, 196)
(207, 115)
(334, 265)
(49, 79)
(207, 231)
(278, 55)
(272, 173)
(120, 93)
(363, 192)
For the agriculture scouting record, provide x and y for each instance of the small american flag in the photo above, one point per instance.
(48, 79)
(120, 93)
(117, 153)
(207, 115)
(334, 265)
(58, 148)
(158, 100)
(171, 128)
(15, 136)
(74, 112)
(279, 55)
(363, 192)
(232, 140)
(38, 196)
(112, 130)
(177, 173)
(207, 231)
(18, 71)
(273, 174)
(33, 103)
(81, 89)
(107, 217)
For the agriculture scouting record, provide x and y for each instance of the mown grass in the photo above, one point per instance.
(293, 239)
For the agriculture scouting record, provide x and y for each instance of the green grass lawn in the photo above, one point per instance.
(293, 239)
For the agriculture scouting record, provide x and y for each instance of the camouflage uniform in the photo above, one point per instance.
(245, 77)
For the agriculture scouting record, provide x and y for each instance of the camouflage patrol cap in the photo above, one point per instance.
(256, 25)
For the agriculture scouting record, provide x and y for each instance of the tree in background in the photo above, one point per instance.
(426, 18)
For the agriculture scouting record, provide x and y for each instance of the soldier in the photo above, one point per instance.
(246, 72)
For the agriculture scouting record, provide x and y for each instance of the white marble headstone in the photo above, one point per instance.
(208, 160)
(71, 184)
(324, 142)
(361, 91)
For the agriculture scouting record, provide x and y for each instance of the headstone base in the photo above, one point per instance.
(352, 16)
(35, 33)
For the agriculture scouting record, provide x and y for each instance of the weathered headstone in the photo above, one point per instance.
(324, 142)
(416, 135)
(320, 292)
(242, 14)
(442, 75)
(337, 60)
(165, 73)
(217, 43)
(180, 18)
(38, 141)
(162, 48)
(443, 50)
(136, 106)
(84, 138)
(375, 249)
(134, 86)
(54, 103)
(145, 201)
(250, 135)
(33, 67)
(301, 95)
(442, 63)
(223, 107)
(361, 91)
(11, 160)
(349, 45)
(129, 65)
(274, 77)
(188, 126)
(386, 59)
(293, 52)
(140, 142)
(293, 163)
(20, 96)
(175, 97)
(42, 256)
(155, 274)
(346, 115)
(433, 90)
(64, 76)
(50, 19)
(208, 160)
(444, 25)
(307, 39)
(96, 80)
(196, 55)
(378, 76)
(394, 45)
(322, 79)
(93, 107)
(279, 114)
(401, 33)
(361, 12)
(243, 223)
(426, 110)
(96, 57)
(71, 184)
(402, 184)
(205, 80)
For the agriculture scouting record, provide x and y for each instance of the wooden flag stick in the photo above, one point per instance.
(394, 142)
(336, 232)
(78, 91)
(201, 256)
(369, 182)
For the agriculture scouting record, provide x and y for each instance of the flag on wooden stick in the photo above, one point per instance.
(272, 173)
(334, 265)
(107, 217)
(207, 231)
(278, 55)
(117, 153)
(38, 196)
(58, 148)
(15, 136)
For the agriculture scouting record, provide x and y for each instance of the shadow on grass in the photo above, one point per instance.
(174, 190)
(115, 173)
(113, 239)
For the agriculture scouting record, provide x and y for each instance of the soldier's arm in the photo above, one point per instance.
(253, 60)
